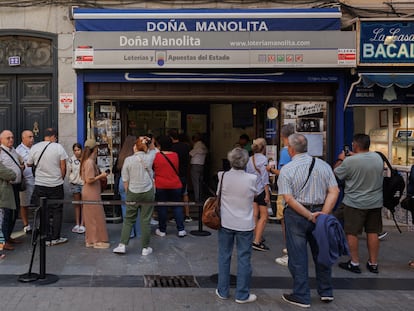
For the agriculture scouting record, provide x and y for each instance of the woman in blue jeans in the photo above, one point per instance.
(238, 190)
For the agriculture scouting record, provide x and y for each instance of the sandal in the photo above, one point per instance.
(411, 264)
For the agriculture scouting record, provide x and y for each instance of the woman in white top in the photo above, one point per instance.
(76, 184)
(257, 165)
(237, 194)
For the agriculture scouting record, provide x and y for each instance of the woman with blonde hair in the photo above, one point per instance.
(93, 214)
(257, 165)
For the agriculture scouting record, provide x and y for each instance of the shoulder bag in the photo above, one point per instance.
(22, 184)
(211, 210)
(34, 166)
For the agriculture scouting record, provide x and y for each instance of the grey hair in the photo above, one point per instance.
(238, 158)
(298, 142)
(287, 130)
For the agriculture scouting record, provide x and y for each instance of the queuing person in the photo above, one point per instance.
(25, 196)
(198, 157)
(7, 175)
(138, 178)
(245, 143)
(96, 235)
(49, 178)
(11, 159)
(257, 166)
(237, 225)
(76, 184)
(410, 193)
(126, 151)
(284, 158)
(182, 149)
(362, 171)
(309, 189)
(168, 186)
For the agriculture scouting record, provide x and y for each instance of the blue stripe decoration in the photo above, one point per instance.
(207, 20)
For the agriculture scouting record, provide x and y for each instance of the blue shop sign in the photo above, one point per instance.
(386, 42)
(378, 96)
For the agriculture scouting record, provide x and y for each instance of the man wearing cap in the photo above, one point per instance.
(49, 178)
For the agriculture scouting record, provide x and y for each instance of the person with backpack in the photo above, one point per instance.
(362, 172)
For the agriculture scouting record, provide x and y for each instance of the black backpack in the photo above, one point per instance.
(392, 189)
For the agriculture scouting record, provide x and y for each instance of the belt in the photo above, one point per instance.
(312, 206)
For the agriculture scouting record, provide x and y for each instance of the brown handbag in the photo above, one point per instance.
(211, 210)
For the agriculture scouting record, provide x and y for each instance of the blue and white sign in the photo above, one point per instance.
(14, 61)
(385, 42)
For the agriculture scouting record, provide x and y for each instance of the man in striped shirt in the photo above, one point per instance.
(309, 189)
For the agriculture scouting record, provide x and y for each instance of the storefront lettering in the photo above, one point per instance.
(207, 26)
(404, 51)
(307, 109)
(138, 41)
(380, 36)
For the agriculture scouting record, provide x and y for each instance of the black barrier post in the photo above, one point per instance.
(200, 231)
(44, 278)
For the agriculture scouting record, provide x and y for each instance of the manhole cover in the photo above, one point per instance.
(170, 281)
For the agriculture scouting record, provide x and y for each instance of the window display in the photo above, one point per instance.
(104, 125)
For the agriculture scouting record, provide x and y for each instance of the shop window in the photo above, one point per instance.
(104, 125)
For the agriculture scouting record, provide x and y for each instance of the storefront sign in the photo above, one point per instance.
(239, 49)
(377, 96)
(66, 104)
(385, 42)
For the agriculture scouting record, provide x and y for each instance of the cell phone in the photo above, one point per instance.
(346, 150)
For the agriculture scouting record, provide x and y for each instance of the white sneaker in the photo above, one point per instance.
(153, 222)
(75, 229)
(283, 261)
(57, 241)
(182, 233)
(27, 229)
(81, 229)
(160, 233)
(252, 298)
(146, 251)
(120, 249)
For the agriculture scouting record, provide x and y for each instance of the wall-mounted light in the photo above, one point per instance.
(272, 113)
(254, 111)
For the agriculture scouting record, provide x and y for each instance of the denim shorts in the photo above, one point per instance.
(75, 188)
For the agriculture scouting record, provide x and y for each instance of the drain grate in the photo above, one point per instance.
(170, 281)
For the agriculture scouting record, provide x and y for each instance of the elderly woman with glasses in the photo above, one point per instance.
(237, 195)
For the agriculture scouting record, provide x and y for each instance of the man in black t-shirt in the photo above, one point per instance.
(182, 149)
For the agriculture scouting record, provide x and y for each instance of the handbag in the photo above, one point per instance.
(211, 210)
(104, 184)
(22, 184)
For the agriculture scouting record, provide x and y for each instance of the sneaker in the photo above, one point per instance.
(101, 245)
(188, 219)
(349, 266)
(56, 241)
(382, 235)
(219, 296)
(252, 298)
(372, 268)
(81, 229)
(294, 301)
(75, 229)
(27, 229)
(146, 251)
(283, 261)
(182, 233)
(327, 299)
(120, 249)
(153, 222)
(160, 233)
(260, 246)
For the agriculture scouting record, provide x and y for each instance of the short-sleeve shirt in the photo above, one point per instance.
(48, 172)
(284, 157)
(263, 177)
(363, 174)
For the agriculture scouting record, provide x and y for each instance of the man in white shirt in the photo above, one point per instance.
(12, 160)
(23, 150)
(198, 157)
(49, 178)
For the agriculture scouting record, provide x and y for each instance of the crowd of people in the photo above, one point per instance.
(309, 205)
(146, 170)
